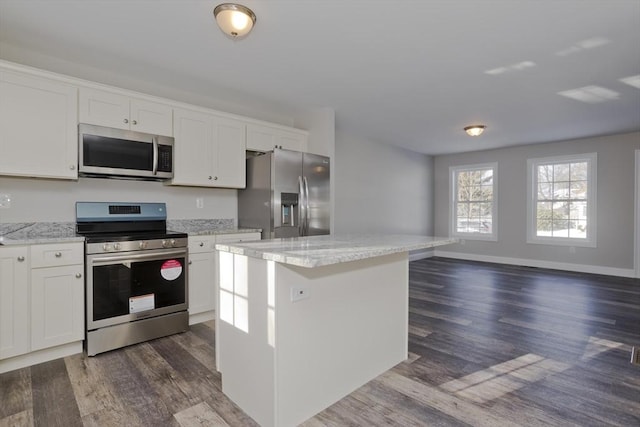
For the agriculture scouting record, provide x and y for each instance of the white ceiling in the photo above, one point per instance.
(410, 73)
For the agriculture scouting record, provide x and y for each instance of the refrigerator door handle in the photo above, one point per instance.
(301, 207)
(306, 207)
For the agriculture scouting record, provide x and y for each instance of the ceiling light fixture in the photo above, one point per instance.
(234, 20)
(475, 130)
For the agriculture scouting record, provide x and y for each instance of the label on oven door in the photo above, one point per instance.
(141, 303)
(171, 269)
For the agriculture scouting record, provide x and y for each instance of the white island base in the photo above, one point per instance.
(283, 361)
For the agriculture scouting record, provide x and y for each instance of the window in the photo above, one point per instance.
(562, 200)
(474, 201)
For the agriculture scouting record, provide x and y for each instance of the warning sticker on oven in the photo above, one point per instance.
(171, 269)
(141, 303)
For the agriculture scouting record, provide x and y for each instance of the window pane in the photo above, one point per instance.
(463, 193)
(578, 210)
(560, 210)
(543, 227)
(560, 228)
(578, 230)
(544, 215)
(487, 192)
(578, 190)
(545, 191)
(579, 171)
(561, 172)
(560, 190)
(545, 173)
(463, 210)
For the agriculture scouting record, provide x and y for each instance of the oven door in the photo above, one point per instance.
(129, 286)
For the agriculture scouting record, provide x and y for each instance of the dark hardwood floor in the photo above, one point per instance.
(490, 345)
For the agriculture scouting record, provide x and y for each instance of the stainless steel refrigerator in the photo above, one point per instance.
(287, 194)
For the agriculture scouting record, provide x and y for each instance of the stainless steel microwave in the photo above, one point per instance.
(116, 153)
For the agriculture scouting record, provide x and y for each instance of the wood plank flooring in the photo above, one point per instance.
(489, 345)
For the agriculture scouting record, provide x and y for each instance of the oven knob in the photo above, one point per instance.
(165, 243)
(143, 244)
(173, 242)
(106, 247)
(117, 246)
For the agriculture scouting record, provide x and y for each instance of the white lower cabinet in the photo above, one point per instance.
(41, 303)
(14, 301)
(57, 306)
(202, 273)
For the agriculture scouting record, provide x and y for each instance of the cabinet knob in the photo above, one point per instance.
(210, 177)
(134, 122)
(190, 262)
(78, 275)
(215, 178)
(58, 254)
(201, 244)
(20, 258)
(72, 167)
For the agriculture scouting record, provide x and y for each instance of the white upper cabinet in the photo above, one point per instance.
(209, 150)
(104, 108)
(38, 126)
(266, 138)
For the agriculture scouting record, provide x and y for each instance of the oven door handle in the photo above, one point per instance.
(136, 257)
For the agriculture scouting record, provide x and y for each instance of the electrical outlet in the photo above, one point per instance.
(199, 202)
(635, 355)
(299, 293)
(5, 201)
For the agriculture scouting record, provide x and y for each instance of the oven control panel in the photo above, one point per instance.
(136, 245)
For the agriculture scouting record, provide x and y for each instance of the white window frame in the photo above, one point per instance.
(532, 197)
(453, 190)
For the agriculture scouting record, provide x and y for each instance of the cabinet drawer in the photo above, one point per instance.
(199, 244)
(57, 254)
(237, 237)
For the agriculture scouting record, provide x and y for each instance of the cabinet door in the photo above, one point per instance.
(57, 306)
(14, 305)
(201, 282)
(151, 117)
(229, 149)
(193, 159)
(260, 138)
(292, 141)
(102, 108)
(38, 127)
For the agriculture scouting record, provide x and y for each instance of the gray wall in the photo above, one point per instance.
(615, 198)
(382, 188)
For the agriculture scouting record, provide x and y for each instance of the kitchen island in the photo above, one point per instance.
(302, 322)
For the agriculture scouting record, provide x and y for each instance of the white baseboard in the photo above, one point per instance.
(581, 268)
(420, 254)
(40, 356)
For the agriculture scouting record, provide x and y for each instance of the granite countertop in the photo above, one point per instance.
(319, 251)
(203, 227)
(27, 233)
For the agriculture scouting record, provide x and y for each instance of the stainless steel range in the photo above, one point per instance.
(136, 274)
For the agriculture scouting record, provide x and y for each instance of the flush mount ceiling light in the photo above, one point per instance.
(475, 130)
(234, 20)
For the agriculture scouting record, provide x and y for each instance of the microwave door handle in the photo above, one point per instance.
(154, 140)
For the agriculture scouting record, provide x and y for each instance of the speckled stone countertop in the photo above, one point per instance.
(28, 233)
(319, 251)
(202, 227)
